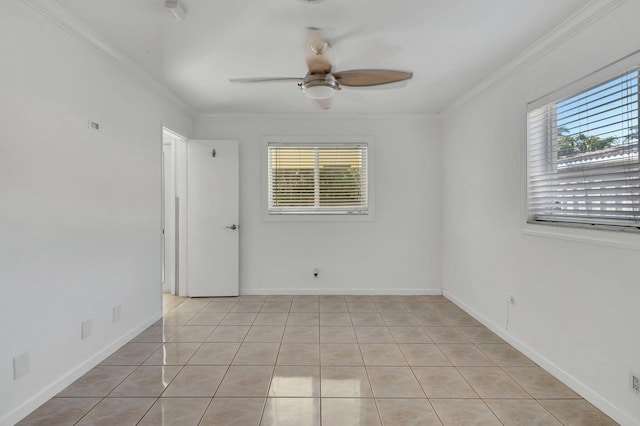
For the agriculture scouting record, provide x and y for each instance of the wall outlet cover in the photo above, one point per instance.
(86, 329)
(21, 365)
(116, 313)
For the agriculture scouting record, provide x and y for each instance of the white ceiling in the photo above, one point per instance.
(450, 45)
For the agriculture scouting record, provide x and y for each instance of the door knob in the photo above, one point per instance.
(232, 227)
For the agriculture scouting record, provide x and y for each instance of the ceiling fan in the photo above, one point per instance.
(321, 83)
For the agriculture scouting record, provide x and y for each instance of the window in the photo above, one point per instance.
(582, 159)
(326, 178)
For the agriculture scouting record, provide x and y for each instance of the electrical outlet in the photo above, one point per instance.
(634, 381)
(21, 365)
(116, 314)
(86, 329)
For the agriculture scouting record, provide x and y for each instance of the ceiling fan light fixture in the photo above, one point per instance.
(320, 91)
(320, 88)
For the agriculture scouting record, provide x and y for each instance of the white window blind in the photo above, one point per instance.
(317, 179)
(582, 160)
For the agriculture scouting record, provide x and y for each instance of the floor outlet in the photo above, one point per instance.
(86, 329)
(116, 314)
(21, 365)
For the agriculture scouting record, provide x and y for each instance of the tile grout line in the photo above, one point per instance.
(266, 398)
(319, 369)
(416, 377)
(275, 363)
(366, 371)
(182, 367)
(320, 420)
(204, 413)
(187, 362)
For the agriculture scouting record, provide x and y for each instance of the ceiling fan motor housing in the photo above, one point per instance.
(319, 86)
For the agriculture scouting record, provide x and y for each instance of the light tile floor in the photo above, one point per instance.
(316, 360)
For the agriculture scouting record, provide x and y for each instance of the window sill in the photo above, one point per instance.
(617, 239)
(318, 218)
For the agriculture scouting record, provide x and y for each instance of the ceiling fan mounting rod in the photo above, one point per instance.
(319, 46)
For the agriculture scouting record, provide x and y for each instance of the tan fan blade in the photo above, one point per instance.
(360, 78)
(264, 79)
(324, 103)
(316, 53)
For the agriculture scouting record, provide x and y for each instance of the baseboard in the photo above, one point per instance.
(343, 291)
(56, 387)
(580, 388)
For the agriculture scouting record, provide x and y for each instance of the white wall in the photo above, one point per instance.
(577, 302)
(398, 253)
(80, 215)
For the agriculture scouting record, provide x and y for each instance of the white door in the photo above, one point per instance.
(212, 218)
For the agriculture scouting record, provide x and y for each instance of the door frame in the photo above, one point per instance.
(170, 219)
(181, 216)
(168, 216)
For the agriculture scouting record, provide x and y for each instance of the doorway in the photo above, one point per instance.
(169, 215)
(200, 212)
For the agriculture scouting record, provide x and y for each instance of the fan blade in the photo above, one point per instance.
(316, 53)
(264, 79)
(324, 103)
(359, 78)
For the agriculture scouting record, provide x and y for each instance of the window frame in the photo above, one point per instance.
(317, 141)
(613, 236)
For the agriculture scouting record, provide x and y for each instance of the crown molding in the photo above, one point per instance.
(323, 115)
(56, 13)
(587, 15)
